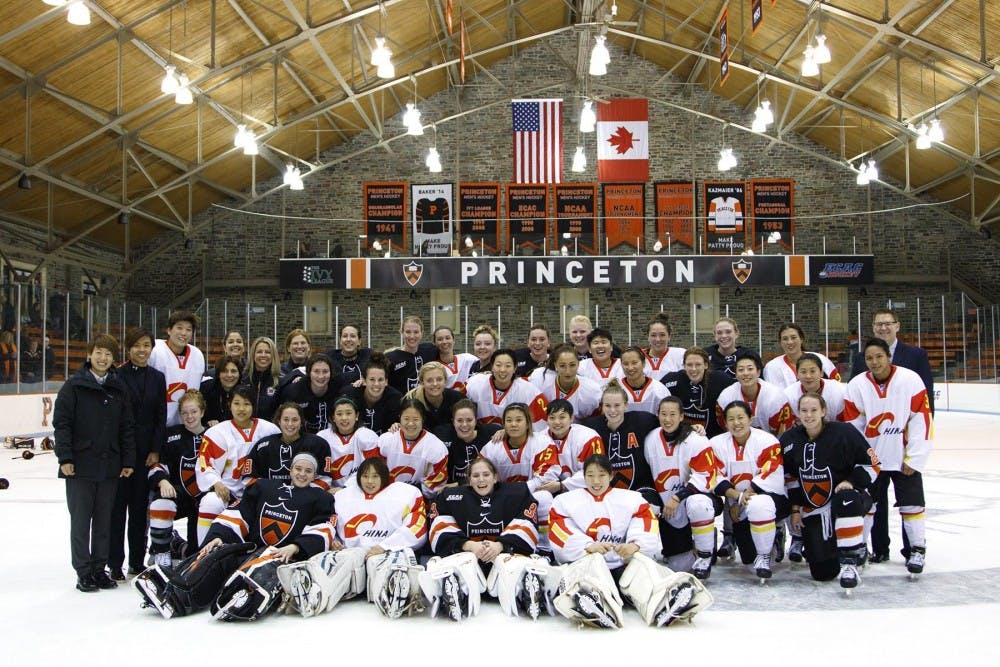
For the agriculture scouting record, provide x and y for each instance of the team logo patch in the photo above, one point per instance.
(875, 426)
(188, 475)
(276, 522)
(484, 527)
(353, 527)
(817, 485)
(624, 469)
(742, 270)
(413, 272)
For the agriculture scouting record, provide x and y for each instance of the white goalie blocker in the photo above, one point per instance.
(661, 595)
(453, 585)
(524, 585)
(315, 586)
(393, 583)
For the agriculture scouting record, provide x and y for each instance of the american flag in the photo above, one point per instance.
(537, 141)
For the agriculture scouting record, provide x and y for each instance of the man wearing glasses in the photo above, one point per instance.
(885, 325)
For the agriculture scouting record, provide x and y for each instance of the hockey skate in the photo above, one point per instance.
(702, 567)
(681, 599)
(796, 549)
(762, 566)
(178, 546)
(849, 578)
(915, 562)
(779, 542)
(726, 549)
(589, 604)
(530, 599)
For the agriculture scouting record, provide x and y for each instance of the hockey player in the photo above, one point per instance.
(831, 467)
(685, 472)
(351, 356)
(378, 401)
(579, 327)
(433, 394)
(574, 442)
(485, 341)
(271, 456)
(722, 353)
(223, 460)
(559, 380)
(781, 371)
(489, 527)
(218, 390)
(263, 374)
(298, 349)
(752, 480)
(660, 357)
(536, 354)
(413, 454)
(182, 364)
(889, 406)
(699, 389)
(495, 391)
(172, 480)
(809, 371)
(767, 402)
(608, 534)
(379, 526)
(405, 361)
(464, 439)
(601, 366)
(458, 365)
(314, 392)
(644, 393)
(346, 439)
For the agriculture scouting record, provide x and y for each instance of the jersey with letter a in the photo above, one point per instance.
(757, 461)
(225, 450)
(507, 515)
(579, 518)
(393, 518)
(181, 373)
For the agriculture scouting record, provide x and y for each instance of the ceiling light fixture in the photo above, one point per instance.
(588, 119)
(170, 82)
(24, 182)
(821, 54)
(726, 159)
(183, 94)
(78, 14)
(600, 58)
(579, 160)
(809, 66)
(411, 119)
(293, 178)
(381, 55)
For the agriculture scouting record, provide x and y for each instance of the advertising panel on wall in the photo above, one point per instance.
(675, 213)
(479, 217)
(624, 210)
(432, 224)
(725, 228)
(385, 214)
(575, 225)
(527, 217)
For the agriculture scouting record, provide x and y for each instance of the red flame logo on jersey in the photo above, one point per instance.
(874, 427)
(399, 471)
(175, 387)
(335, 466)
(595, 527)
(664, 477)
(353, 527)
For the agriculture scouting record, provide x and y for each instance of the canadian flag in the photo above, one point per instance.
(623, 141)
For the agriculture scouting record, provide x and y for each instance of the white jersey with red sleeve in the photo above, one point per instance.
(490, 401)
(645, 398)
(459, 370)
(590, 369)
(781, 372)
(769, 411)
(534, 462)
(691, 463)
(580, 443)
(894, 417)
(832, 392)
(393, 518)
(424, 460)
(579, 518)
(224, 454)
(657, 367)
(346, 455)
(181, 373)
(758, 461)
(585, 396)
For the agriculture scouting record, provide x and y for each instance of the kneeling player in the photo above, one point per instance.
(608, 534)
(832, 468)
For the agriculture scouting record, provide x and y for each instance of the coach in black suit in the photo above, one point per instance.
(885, 325)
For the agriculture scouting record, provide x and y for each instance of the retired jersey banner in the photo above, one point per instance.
(527, 217)
(635, 271)
(624, 209)
(432, 224)
(479, 217)
(724, 46)
(772, 207)
(756, 15)
(575, 218)
(725, 228)
(385, 214)
(623, 141)
(675, 213)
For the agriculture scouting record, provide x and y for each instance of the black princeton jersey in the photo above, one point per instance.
(382, 415)
(508, 515)
(818, 465)
(461, 454)
(318, 410)
(725, 363)
(698, 399)
(523, 362)
(350, 369)
(178, 461)
(271, 458)
(404, 366)
(431, 215)
(625, 447)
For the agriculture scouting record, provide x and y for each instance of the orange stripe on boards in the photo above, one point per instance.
(359, 274)
(797, 270)
(853, 531)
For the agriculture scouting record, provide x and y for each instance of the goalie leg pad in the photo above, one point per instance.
(660, 595)
(589, 594)
(524, 585)
(252, 591)
(393, 583)
(454, 585)
(316, 586)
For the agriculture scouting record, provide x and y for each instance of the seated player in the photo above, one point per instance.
(575, 443)
(346, 440)
(464, 439)
(608, 535)
(558, 379)
(271, 457)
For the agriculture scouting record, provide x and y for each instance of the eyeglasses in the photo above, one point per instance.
(884, 325)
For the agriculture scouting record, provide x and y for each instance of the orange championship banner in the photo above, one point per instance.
(527, 217)
(478, 218)
(675, 213)
(772, 208)
(575, 227)
(623, 209)
(385, 214)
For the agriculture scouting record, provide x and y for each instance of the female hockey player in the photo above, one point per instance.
(660, 357)
(314, 392)
(722, 353)
(536, 354)
(831, 468)
(559, 380)
(751, 479)
(809, 371)
(263, 374)
(579, 327)
(433, 394)
(780, 371)
(602, 365)
(405, 361)
(351, 356)
(699, 389)
(298, 349)
(218, 390)
(610, 538)
(495, 391)
(575, 443)
(458, 365)
(271, 457)
(379, 403)
(412, 453)
(771, 411)
(644, 394)
(485, 342)
(347, 439)
(464, 439)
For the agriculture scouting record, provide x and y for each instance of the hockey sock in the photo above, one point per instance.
(161, 523)
(850, 531)
(761, 513)
(913, 524)
(701, 514)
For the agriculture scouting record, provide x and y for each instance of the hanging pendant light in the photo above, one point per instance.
(726, 159)
(809, 66)
(935, 133)
(411, 119)
(382, 59)
(588, 119)
(183, 94)
(600, 58)
(78, 13)
(923, 139)
(579, 160)
(433, 160)
(821, 54)
(862, 178)
(170, 82)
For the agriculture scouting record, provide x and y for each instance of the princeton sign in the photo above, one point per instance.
(611, 271)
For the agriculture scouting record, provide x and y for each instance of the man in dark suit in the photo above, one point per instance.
(885, 325)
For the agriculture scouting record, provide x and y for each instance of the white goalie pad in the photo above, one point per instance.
(589, 595)
(315, 586)
(661, 595)
(393, 583)
(453, 585)
(524, 585)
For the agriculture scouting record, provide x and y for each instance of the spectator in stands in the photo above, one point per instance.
(885, 325)
(8, 358)
(31, 361)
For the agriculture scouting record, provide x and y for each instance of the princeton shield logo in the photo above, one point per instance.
(188, 476)
(412, 272)
(741, 270)
(276, 522)
(817, 483)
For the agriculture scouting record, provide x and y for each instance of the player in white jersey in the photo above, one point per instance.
(889, 405)
(780, 371)
(685, 474)
(809, 370)
(559, 380)
(495, 391)
(768, 404)
(413, 453)
(643, 392)
(601, 367)
(753, 480)
(598, 529)
(458, 366)
(574, 442)
(348, 439)
(182, 364)
(223, 460)
(660, 357)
